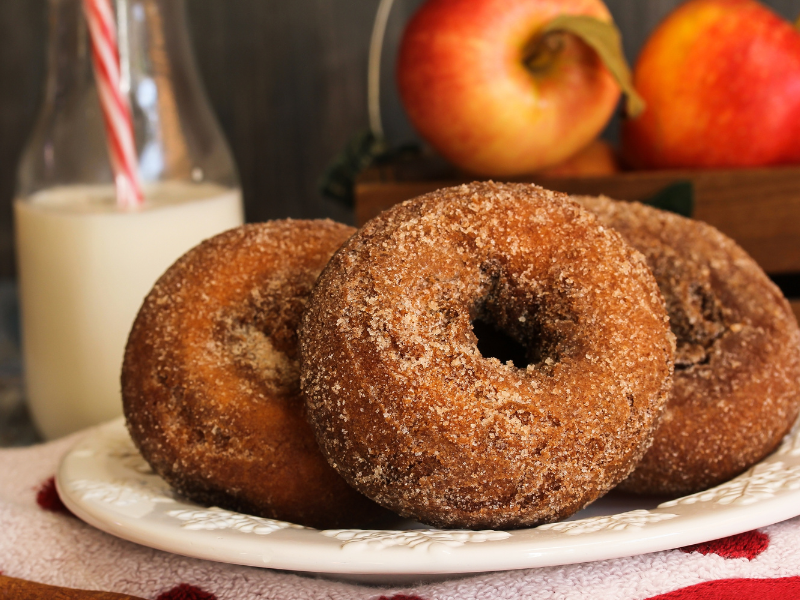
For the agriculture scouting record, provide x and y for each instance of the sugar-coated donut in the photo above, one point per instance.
(410, 412)
(736, 386)
(211, 382)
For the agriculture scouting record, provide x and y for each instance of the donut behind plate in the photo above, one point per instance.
(210, 380)
(736, 386)
(410, 412)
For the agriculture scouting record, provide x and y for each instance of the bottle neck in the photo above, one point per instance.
(69, 58)
(152, 36)
(176, 133)
(159, 75)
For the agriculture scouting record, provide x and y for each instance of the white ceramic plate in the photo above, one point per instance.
(105, 482)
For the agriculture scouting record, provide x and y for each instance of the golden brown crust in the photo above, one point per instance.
(210, 379)
(737, 367)
(411, 414)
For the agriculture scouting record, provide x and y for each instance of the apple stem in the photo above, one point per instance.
(602, 36)
(542, 52)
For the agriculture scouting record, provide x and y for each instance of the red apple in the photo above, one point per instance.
(595, 160)
(721, 79)
(492, 95)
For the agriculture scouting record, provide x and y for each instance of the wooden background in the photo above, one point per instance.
(286, 78)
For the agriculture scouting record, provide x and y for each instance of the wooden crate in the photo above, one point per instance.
(759, 208)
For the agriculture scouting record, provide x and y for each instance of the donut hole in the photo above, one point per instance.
(697, 321)
(524, 343)
(258, 336)
(493, 342)
(252, 349)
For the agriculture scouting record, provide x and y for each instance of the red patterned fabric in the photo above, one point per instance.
(786, 588)
(47, 498)
(744, 545)
(185, 591)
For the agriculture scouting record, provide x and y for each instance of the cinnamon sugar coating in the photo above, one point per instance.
(211, 380)
(411, 414)
(736, 386)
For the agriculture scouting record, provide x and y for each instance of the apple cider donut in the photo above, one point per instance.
(410, 412)
(211, 380)
(736, 388)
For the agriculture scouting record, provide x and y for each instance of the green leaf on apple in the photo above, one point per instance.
(605, 39)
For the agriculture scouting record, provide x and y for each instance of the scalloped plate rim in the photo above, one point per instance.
(103, 503)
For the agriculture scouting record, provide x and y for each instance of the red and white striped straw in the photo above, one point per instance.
(116, 110)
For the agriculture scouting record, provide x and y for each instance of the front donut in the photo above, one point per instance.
(411, 413)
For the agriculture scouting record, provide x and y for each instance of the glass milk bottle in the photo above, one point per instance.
(85, 265)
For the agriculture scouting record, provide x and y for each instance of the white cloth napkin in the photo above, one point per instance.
(58, 549)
